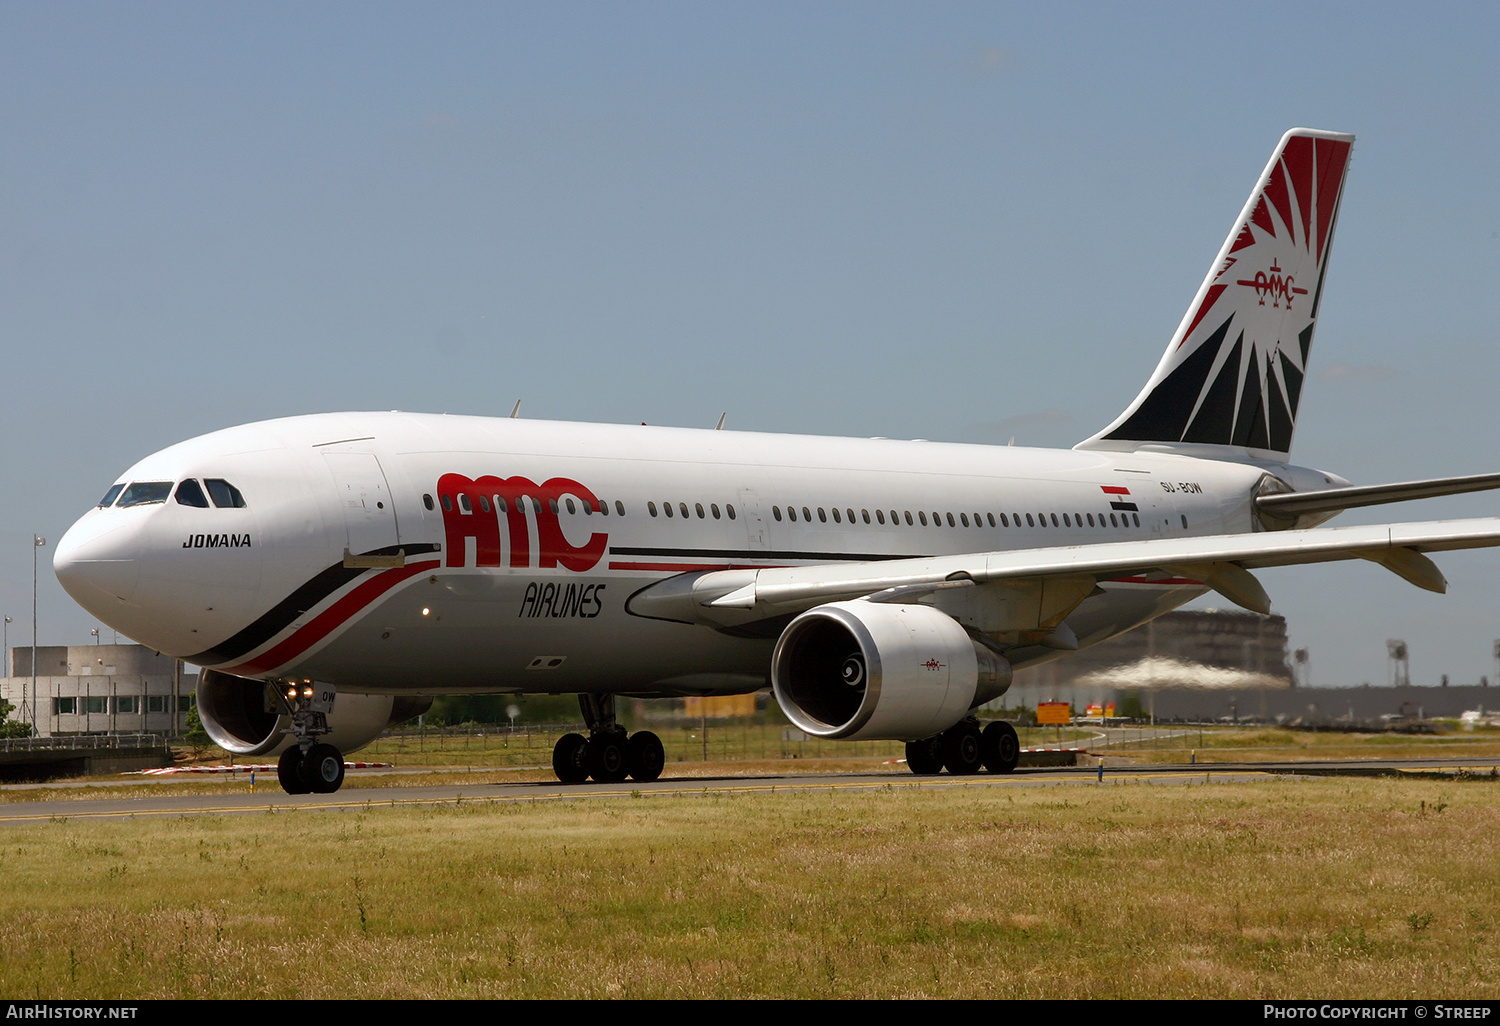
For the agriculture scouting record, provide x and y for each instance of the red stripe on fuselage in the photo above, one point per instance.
(330, 619)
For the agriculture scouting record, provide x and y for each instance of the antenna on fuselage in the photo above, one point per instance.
(720, 425)
(515, 411)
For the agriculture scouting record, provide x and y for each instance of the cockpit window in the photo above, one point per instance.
(141, 493)
(111, 495)
(190, 493)
(225, 495)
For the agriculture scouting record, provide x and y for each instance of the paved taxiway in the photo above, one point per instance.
(271, 801)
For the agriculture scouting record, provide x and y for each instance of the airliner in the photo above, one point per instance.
(332, 573)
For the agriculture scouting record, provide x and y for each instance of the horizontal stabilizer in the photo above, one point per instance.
(1291, 505)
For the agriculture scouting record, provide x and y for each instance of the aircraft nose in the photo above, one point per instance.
(98, 562)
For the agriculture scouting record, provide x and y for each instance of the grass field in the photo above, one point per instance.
(1317, 888)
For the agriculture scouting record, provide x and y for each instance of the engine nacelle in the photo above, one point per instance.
(238, 717)
(868, 670)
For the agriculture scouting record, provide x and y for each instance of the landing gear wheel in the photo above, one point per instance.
(289, 771)
(999, 747)
(570, 758)
(608, 758)
(960, 748)
(323, 769)
(923, 757)
(645, 756)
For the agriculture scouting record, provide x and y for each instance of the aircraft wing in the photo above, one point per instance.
(1221, 562)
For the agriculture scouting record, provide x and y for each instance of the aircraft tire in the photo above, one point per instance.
(999, 747)
(289, 771)
(923, 757)
(960, 748)
(608, 758)
(323, 769)
(645, 756)
(570, 758)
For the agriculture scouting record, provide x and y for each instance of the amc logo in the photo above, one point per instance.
(472, 508)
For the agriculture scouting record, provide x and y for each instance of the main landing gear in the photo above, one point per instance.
(608, 754)
(309, 766)
(964, 749)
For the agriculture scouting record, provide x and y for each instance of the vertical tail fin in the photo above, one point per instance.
(1232, 373)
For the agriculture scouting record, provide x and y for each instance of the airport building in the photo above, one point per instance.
(1196, 649)
(97, 689)
(1221, 665)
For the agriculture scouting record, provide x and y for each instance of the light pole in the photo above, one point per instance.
(8, 666)
(37, 541)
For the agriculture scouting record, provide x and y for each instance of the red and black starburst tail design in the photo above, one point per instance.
(1232, 374)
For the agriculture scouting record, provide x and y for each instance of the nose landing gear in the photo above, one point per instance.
(309, 766)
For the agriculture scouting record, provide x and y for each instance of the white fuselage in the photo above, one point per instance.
(344, 565)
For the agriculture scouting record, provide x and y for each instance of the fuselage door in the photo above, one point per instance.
(755, 526)
(369, 514)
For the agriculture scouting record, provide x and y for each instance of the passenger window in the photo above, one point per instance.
(713, 507)
(922, 517)
(190, 493)
(776, 512)
(666, 508)
(141, 493)
(447, 503)
(427, 500)
(952, 524)
(463, 502)
(866, 515)
(571, 507)
(484, 503)
(806, 515)
(651, 508)
(111, 495)
(698, 507)
(822, 517)
(224, 494)
(619, 507)
(729, 509)
(791, 513)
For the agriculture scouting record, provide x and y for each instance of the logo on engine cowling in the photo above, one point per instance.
(933, 665)
(472, 507)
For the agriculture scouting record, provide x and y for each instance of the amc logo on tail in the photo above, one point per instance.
(472, 507)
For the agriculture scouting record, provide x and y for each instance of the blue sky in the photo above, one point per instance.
(950, 221)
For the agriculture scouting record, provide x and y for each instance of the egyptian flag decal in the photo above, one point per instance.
(1119, 498)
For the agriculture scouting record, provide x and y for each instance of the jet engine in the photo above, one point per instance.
(863, 670)
(239, 716)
